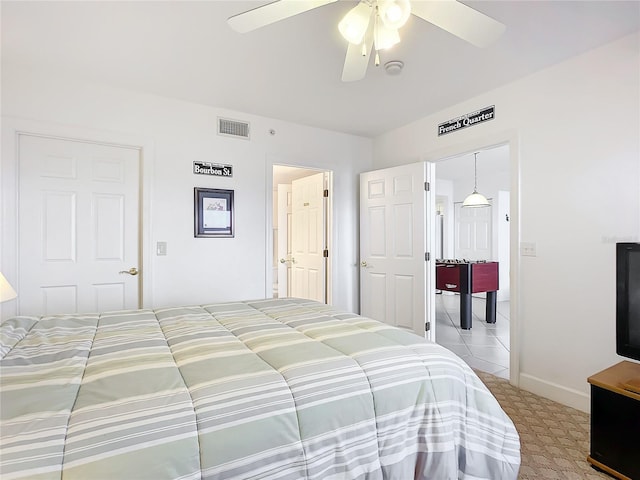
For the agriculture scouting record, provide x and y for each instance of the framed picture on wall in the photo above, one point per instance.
(213, 212)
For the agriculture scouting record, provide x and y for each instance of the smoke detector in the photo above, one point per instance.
(394, 67)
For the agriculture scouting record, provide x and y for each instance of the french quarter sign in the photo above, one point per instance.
(215, 169)
(468, 120)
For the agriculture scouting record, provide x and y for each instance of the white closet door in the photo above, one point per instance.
(78, 226)
(473, 233)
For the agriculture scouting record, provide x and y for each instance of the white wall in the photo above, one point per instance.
(174, 134)
(577, 131)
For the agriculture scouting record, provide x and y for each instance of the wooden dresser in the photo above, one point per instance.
(615, 422)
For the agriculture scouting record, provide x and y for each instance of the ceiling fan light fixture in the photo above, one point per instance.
(354, 24)
(394, 13)
(385, 37)
(359, 24)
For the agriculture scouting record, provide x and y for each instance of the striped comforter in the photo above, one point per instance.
(270, 389)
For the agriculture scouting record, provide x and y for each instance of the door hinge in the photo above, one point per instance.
(427, 186)
(325, 253)
(326, 193)
(427, 256)
(427, 326)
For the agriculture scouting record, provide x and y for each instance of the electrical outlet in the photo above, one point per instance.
(528, 249)
(161, 248)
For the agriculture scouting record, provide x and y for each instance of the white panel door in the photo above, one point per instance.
(78, 226)
(473, 229)
(284, 240)
(394, 276)
(307, 240)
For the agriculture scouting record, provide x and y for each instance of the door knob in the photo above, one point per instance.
(283, 260)
(131, 271)
(363, 264)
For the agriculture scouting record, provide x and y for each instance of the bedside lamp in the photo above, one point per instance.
(6, 290)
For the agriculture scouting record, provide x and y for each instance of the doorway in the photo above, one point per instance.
(476, 234)
(301, 233)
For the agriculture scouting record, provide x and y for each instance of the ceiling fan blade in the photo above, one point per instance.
(355, 63)
(271, 13)
(460, 20)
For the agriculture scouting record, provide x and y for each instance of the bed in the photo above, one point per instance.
(266, 389)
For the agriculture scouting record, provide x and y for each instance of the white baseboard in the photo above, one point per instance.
(558, 393)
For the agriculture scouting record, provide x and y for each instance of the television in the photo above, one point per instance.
(628, 300)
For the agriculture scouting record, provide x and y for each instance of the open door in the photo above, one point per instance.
(397, 270)
(308, 261)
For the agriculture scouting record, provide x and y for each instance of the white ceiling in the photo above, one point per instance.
(285, 174)
(490, 161)
(291, 70)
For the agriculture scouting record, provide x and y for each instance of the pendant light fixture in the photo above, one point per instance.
(476, 199)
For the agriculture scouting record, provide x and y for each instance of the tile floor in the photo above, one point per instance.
(485, 346)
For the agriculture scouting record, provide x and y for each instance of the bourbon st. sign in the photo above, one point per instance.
(208, 168)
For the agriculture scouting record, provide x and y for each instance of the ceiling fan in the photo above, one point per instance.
(374, 24)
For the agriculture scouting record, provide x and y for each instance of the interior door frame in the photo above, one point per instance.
(512, 139)
(329, 230)
(11, 130)
(283, 241)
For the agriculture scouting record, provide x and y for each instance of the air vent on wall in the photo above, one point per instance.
(233, 128)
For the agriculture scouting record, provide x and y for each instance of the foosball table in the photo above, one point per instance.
(466, 278)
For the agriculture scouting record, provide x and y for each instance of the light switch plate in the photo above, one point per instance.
(528, 249)
(161, 248)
